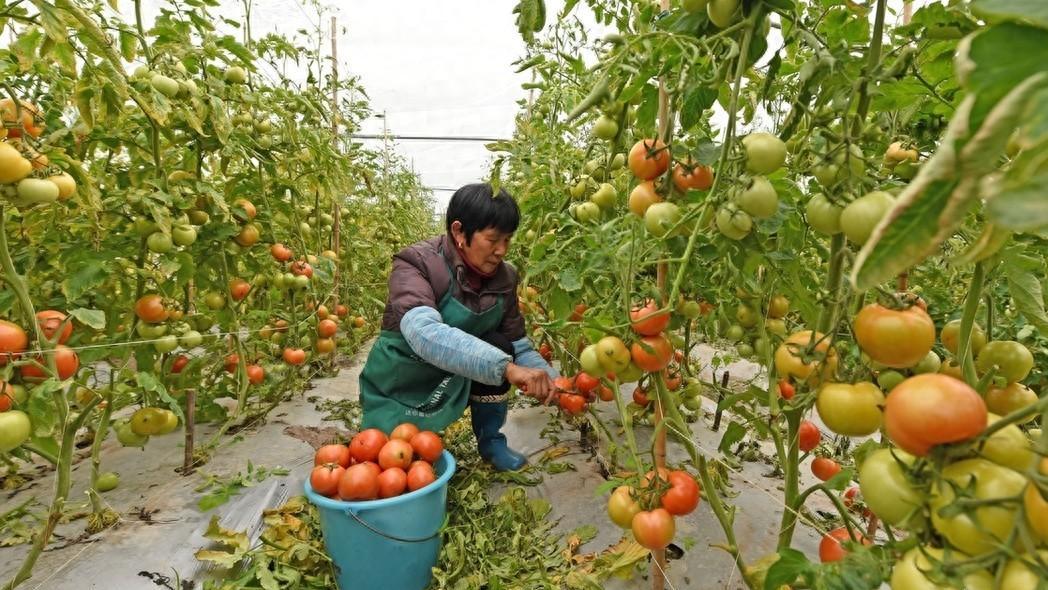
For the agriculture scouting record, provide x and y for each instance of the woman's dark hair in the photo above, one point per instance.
(475, 208)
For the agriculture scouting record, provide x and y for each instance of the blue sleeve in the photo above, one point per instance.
(452, 349)
(526, 356)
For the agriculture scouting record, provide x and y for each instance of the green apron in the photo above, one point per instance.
(397, 386)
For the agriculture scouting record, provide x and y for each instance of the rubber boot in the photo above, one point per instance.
(487, 419)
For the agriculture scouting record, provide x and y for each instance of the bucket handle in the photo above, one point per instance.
(394, 537)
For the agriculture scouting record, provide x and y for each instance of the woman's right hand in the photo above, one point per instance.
(533, 382)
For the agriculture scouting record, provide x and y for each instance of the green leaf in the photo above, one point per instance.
(1021, 207)
(791, 565)
(569, 279)
(531, 17)
(697, 100)
(1034, 12)
(94, 318)
(1024, 285)
(128, 45)
(999, 59)
(734, 433)
(841, 480)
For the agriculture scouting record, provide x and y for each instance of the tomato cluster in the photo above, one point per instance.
(375, 465)
(649, 508)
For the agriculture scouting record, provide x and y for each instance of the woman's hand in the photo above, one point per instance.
(533, 382)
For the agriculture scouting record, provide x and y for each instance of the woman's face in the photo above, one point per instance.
(487, 248)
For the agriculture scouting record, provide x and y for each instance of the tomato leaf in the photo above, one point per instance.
(732, 435)
(1022, 205)
(790, 566)
(149, 382)
(841, 480)
(1030, 11)
(1024, 284)
(94, 318)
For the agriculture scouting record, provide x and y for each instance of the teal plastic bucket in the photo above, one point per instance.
(386, 544)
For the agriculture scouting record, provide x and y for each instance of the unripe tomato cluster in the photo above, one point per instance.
(375, 465)
(648, 509)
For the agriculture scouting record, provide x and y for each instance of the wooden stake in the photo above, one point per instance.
(187, 461)
(658, 574)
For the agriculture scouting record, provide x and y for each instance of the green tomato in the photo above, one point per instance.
(191, 339)
(827, 174)
(127, 437)
(850, 410)
(198, 217)
(693, 6)
(765, 153)
(1008, 447)
(722, 12)
(951, 337)
(1018, 575)
(587, 212)
(605, 128)
(166, 344)
(980, 530)
(144, 226)
(15, 429)
(863, 214)
(887, 490)
(759, 199)
(1013, 360)
(235, 75)
(164, 85)
(744, 350)
(775, 326)
(301, 282)
(660, 218)
(734, 333)
(733, 223)
(912, 570)
(151, 331)
(746, 316)
(605, 196)
(630, 374)
(159, 242)
(618, 161)
(183, 235)
(590, 361)
(823, 216)
(107, 481)
(214, 300)
(887, 380)
(929, 364)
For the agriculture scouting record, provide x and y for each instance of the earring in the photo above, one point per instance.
(461, 245)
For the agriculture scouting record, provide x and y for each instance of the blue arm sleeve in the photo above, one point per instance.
(452, 349)
(526, 356)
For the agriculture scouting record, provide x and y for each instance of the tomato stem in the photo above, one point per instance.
(725, 517)
(971, 306)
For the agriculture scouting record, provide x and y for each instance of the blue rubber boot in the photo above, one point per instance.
(487, 419)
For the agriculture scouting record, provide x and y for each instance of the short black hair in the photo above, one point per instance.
(475, 208)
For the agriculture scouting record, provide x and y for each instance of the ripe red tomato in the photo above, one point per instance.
(420, 475)
(255, 374)
(294, 356)
(247, 206)
(341, 310)
(367, 444)
(894, 338)
(646, 320)
(808, 436)
(585, 382)
(683, 495)
(238, 289)
(546, 352)
(325, 479)
(179, 363)
(280, 252)
(359, 482)
(396, 453)
(564, 383)
(649, 158)
(689, 175)
(50, 320)
(673, 381)
(932, 409)
(392, 482)
(571, 403)
(404, 431)
(326, 328)
(248, 236)
(231, 362)
(337, 454)
(576, 315)
(640, 396)
(824, 468)
(652, 353)
(643, 196)
(66, 364)
(786, 389)
(427, 445)
(831, 548)
(13, 340)
(653, 529)
(150, 309)
(606, 394)
(302, 268)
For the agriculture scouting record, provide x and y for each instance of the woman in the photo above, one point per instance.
(452, 333)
